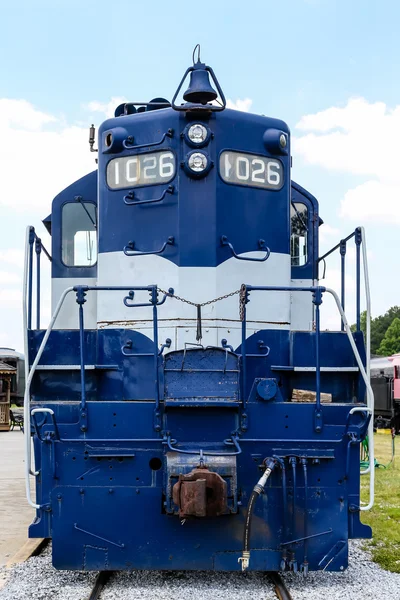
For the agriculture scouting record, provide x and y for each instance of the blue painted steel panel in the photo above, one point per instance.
(198, 213)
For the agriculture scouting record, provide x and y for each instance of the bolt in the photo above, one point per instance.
(110, 491)
(81, 491)
(138, 491)
(59, 496)
(83, 428)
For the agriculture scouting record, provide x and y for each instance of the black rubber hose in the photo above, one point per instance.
(258, 489)
(247, 523)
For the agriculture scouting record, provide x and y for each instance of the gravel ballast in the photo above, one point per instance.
(364, 580)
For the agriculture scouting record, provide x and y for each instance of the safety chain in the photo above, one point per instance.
(242, 301)
(196, 303)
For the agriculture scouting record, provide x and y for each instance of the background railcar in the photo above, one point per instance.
(385, 382)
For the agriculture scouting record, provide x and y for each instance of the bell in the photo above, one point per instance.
(200, 90)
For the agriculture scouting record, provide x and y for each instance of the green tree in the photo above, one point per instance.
(391, 341)
(379, 326)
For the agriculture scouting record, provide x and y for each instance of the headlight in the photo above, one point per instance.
(197, 133)
(197, 164)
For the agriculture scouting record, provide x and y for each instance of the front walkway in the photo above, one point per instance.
(15, 512)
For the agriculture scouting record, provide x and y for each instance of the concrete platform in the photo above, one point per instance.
(15, 512)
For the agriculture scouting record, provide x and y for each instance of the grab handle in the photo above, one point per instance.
(261, 245)
(129, 198)
(130, 247)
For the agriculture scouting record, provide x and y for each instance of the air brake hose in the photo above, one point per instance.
(257, 490)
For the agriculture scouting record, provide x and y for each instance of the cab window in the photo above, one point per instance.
(79, 236)
(299, 234)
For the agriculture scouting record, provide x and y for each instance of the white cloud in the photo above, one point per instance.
(326, 232)
(49, 162)
(12, 256)
(6, 277)
(240, 104)
(40, 155)
(21, 115)
(107, 108)
(360, 138)
(373, 200)
(10, 297)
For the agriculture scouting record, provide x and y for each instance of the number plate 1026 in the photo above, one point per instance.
(251, 170)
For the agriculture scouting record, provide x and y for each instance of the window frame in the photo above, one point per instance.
(61, 234)
(308, 224)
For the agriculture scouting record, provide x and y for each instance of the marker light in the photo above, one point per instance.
(197, 133)
(198, 162)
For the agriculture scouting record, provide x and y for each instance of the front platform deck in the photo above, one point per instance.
(15, 512)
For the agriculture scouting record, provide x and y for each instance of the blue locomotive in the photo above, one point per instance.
(186, 409)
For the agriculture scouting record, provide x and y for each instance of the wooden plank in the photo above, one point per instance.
(308, 396)
(31, 547)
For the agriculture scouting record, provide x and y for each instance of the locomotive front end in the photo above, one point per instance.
(177, 395)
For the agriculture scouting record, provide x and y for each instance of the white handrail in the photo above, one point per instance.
(25, 316)
(370, 398)
(368, 338)
(27, 397)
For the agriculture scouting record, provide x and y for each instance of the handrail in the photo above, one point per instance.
(27, 415)
(32, 239)
(359, 238)
(370, 399)
(317, 291)
(80, 292)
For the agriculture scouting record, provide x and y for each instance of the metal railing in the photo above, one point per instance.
(33, 244)
(81, 291)
(359, 239)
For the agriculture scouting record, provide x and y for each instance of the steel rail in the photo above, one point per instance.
(280, 588)
(100, 582)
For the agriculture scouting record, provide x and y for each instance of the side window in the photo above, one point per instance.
(78, 234)
(299, 233)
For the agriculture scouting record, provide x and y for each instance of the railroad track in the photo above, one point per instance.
(104, 576)
(280, 588)
(100, 582)
(35, 547)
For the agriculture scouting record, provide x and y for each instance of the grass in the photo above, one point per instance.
(384, 518)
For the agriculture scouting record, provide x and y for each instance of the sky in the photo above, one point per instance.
(330, 69)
